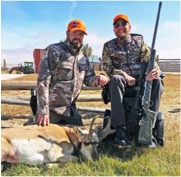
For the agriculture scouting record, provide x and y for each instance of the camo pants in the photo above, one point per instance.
(58, 119)
(117, 90)
(63, 120)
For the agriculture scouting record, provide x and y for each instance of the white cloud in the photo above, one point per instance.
(17, 38)
(17, 47)
(72, 7)
(168, 48)
(16, 56)
(172, 25)
(21, 45)
(135, 27)
(168, 43)
(24, 52)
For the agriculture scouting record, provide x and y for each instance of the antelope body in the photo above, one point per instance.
(37, 145)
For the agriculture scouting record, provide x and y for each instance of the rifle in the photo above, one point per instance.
(149, 117)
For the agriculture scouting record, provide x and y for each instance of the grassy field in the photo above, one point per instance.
(133, 161)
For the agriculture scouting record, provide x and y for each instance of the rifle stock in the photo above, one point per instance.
(148, 84)
(148, 120)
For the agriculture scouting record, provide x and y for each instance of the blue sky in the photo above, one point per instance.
(26, 25)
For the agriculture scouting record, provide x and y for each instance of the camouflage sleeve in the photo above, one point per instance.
(108, 66)
(145, 52)
(43, 82)
(90, 76)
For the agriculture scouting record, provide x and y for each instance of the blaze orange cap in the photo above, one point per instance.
(77, 25)
(122, 16)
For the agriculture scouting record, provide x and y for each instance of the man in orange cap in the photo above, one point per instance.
(75, 33)
(122, 58)
(64, 68)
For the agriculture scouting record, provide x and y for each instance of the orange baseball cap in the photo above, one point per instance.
(77, 25)
(122, 16)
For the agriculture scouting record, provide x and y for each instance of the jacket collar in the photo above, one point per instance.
(124, 41)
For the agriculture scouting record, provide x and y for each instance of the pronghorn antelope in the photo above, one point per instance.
(37, 145)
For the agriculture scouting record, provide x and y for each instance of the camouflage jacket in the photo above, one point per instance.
(124, 56)
(61, 76)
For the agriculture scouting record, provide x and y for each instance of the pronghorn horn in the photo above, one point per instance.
(107, 130)
(91, 126)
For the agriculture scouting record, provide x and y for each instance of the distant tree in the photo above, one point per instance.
(87, 50)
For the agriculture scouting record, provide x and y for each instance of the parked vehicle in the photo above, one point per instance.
(26, 69)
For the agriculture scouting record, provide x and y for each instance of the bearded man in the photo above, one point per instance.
(64, 69)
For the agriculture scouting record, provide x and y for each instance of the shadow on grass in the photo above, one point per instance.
(125, 153)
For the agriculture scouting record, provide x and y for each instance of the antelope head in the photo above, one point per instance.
(88, 140)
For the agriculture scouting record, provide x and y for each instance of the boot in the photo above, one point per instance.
(31, 121)
(120, 138)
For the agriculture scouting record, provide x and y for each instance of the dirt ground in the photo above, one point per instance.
(15, 115)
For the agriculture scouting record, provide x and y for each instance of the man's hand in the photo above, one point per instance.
(101, 80)
(43, 119)
(154, 74)
(130, 80)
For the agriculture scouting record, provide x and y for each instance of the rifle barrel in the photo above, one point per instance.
(156, 26)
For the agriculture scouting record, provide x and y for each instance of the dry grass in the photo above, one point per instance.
(170, 99)
(29, 77)
(163, 161)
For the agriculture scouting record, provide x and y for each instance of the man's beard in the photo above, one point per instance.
(76, 45)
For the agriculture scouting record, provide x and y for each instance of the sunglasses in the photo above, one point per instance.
(123, 23)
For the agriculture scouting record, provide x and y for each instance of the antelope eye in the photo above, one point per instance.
(90, 143)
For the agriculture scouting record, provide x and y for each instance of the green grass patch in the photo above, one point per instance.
(113, 161)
